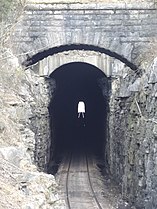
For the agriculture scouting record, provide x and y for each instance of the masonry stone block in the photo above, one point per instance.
(121, 22)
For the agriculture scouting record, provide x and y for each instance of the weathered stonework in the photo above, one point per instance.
(42, 91)
(51, 63)
(127, 29)
(132, 141)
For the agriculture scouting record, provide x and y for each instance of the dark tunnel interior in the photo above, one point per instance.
(78, 82)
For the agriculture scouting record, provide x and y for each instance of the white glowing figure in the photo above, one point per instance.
(81, 109)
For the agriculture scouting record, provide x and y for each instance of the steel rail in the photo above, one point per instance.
(67, 180)
(90, 183)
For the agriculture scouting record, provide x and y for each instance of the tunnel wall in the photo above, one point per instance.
(38, 143)
(43, 90)
(132, 142)
(40, 124)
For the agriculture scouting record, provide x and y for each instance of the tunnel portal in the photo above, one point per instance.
(78, 82)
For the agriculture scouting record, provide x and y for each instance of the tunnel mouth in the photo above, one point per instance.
(76, 82)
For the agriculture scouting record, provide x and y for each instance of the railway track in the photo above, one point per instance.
(74, 181)
(81, 184)
(91, 186)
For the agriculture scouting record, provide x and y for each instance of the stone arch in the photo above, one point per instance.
(99, 60)
(100, 54)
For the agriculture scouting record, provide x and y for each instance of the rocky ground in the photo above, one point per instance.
(24, 188)
(22, 185)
